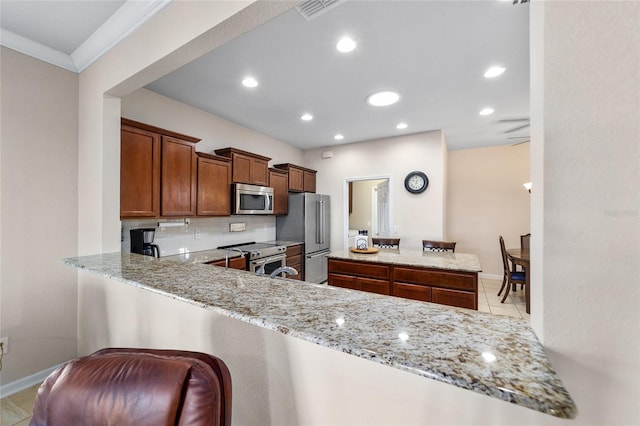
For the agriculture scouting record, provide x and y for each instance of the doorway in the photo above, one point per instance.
(367, 206)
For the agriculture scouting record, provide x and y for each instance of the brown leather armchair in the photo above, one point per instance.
(119, 386)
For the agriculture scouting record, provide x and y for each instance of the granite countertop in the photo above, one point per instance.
(411, 257)
(493, 355)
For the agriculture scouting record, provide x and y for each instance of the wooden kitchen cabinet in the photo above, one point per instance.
(301, 179)
(178, 178)
(295, 260)
(278, 181)
(370, 277)
(247, 167)
(234, 263)
(214, 185)
(453, 288)
(139, 172)
(157, 171)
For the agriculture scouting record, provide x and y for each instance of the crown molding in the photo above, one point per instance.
(37, 50)
(127, 19)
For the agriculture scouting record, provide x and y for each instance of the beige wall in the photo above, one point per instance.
(586, 201)
(413, 217)
(38, 213)
(149, 107)
(486, 199)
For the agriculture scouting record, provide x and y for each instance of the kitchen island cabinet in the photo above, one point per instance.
(444, 278)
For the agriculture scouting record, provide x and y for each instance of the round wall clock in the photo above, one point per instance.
(416, 182)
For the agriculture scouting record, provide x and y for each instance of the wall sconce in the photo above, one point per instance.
(527, 186)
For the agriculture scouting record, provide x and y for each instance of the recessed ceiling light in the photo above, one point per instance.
(306, 117)
(346, 45)
(249, 82)
(494, 71)
(338, 137)
(401, 126)
(486, 111)
(383, 98)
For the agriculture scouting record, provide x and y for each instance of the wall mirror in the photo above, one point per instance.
(367, 206)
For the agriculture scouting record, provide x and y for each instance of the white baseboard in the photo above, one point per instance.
(26, 382)
(495, 277)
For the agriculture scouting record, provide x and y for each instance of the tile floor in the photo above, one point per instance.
(488, 300)
(17, 408)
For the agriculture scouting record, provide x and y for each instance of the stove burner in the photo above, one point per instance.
(255, 250)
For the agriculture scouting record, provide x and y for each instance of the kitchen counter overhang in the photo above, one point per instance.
(492, 355)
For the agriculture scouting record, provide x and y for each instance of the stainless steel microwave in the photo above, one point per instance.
(252, 199)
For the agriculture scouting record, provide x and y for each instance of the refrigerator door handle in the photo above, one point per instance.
(318, 221)
(321, 222)
(322, 253)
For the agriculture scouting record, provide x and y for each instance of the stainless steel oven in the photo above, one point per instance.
(271, 255)
(270, 263)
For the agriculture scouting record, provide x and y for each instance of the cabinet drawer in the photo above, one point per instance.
(412, 291)
(372, 286)
(358, 268)
(461, 299)
(234, 263)
(293, 250)
(343, 281)
(436, 278)
(294, 260)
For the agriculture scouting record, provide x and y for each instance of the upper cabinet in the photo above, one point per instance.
(247, 167)
(214, 185)
(278, 181)
(301, 179)
(157, 172)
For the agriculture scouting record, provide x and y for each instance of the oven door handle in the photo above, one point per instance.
(258, 262)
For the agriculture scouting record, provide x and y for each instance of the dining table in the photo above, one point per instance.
(521, 257)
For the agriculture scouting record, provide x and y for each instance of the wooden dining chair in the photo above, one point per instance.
(438, 246)
(524, 246)
(391, 243)
(510, 277)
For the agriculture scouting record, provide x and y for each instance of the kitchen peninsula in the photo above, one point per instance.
(490, 355)
(444, 278)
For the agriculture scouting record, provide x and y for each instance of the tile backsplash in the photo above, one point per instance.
(201, 233)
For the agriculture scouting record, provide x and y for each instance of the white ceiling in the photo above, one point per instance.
(434, 53)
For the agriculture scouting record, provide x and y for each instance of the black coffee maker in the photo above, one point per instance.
(141, 242)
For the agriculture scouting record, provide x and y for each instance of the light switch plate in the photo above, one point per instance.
(237, 227)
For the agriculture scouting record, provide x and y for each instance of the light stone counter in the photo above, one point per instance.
(489, 354)
(411, 257)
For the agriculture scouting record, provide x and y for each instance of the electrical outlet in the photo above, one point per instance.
(5, 344)
(237, 227)
(197, 234)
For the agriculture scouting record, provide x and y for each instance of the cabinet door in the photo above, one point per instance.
(139, 173)
(214, 187)
(278, 181)
(239, 263)
(259, 172)
(296, 179)
(309, 181)
(178, 181)
(241, 168)
(412, 291)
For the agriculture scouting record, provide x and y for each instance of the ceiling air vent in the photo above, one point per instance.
(311, 9)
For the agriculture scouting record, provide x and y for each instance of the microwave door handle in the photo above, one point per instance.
(270, 203)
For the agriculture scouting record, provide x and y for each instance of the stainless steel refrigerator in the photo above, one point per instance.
(308, 221)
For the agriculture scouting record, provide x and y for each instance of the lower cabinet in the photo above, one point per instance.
(294, 259)
(234, 263)
(453, 288)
